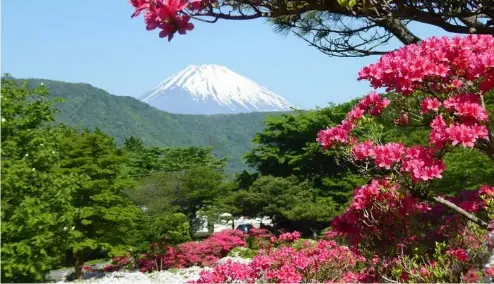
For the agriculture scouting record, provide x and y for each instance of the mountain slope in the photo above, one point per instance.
(213, 89)
(89, 107)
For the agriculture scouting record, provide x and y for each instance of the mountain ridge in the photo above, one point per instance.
(213, 89)
(122, 116)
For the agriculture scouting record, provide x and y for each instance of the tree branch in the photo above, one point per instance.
(359, 30)
(399, 30)
(460, 211)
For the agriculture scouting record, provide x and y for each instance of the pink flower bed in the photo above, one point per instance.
(203, 253)
(322, 261)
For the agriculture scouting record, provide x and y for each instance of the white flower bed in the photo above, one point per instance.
(235, 259)
(169, 276)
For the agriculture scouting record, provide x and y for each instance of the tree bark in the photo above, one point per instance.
(314, 234)
(79, 263)
(399, 30)
(462, 212)
(210, 226)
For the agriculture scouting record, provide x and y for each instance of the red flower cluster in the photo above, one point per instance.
(204, 253)
(165, 15)
(487, 190)
(454, 67)
(465, 128)
(458, 253)
(260, 233)
(383, 220)
(169, 15)
(118, 263)
(372, 104)
(417, 161)
(287, 237)
(436, 64)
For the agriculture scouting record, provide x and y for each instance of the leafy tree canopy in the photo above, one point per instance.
(36, 202)
(188, 191)
(290, 203)
(287, 146)
(143, 161)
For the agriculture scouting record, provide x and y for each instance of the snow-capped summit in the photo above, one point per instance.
(213, 89)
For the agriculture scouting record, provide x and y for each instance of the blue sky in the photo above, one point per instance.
(96, 42)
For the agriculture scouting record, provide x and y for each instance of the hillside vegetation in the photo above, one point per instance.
(89, 107)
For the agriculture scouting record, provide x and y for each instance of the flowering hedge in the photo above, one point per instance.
(162, 256)
(326, 261)
(319, 262)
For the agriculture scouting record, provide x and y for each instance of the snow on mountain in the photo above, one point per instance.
(213, 89)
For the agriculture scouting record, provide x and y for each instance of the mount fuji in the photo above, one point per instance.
(213, 89)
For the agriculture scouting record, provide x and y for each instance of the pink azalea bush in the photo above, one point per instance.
(259, 238)
(204, 253)
(385, 221)
(321, 261)
(395, 228)
(441, 82)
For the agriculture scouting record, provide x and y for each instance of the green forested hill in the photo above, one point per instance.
(86, 106)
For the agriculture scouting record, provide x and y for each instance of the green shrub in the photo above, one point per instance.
(242, 252)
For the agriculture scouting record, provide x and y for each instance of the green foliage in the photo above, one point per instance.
(188, 191)
(177, 229)
(347, 3)
(465, 169)
(184, 158)
(242, 252)
(167, 227)
(104, 216)
(36, 203)
(287, 146)
(144, 161)
(291, 204)
(88, 107)
(301, 243)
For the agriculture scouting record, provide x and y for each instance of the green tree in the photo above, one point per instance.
(143, 161)
(36, 202)
(104, 216)
(287, 146)
(290, 203)
(184, 158)
(187, 191)
(176, 227)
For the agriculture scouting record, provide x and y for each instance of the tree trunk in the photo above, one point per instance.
(210, 226)
(79, 263)
(314, 234)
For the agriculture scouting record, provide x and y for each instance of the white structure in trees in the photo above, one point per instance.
(227, 223)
